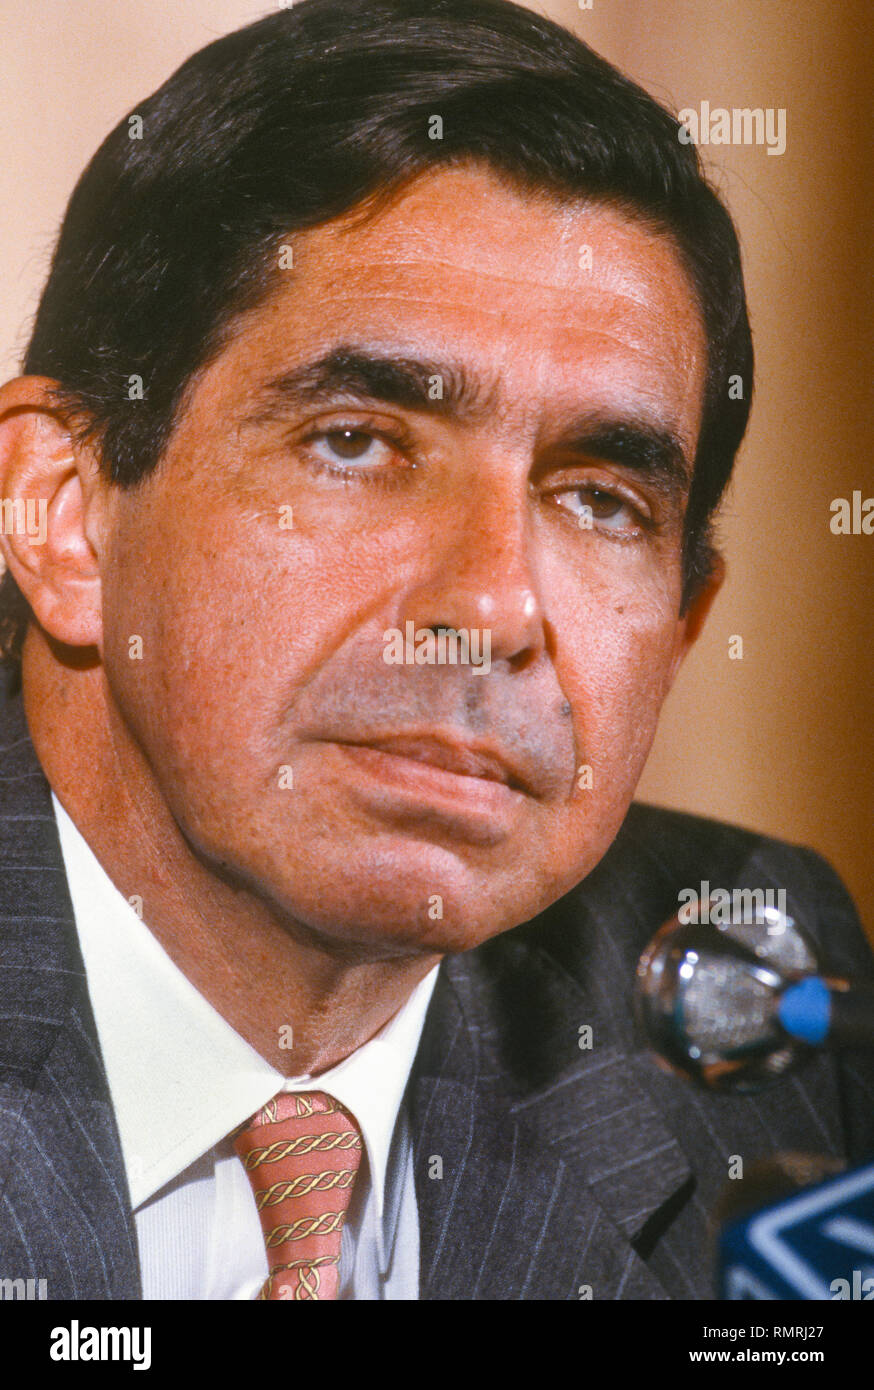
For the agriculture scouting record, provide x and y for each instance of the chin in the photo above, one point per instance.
(337, 886)
(404, 910)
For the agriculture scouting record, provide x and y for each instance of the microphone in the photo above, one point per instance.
(838, 1013)
(736, 1004)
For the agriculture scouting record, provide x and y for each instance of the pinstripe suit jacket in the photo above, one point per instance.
(561, 1168)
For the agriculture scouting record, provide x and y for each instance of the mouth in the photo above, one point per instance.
(462, 759)
(433, 782)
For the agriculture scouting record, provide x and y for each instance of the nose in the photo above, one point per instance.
(482, 577)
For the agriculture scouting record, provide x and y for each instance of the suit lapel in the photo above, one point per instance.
(64, 1206)
(555, 1163)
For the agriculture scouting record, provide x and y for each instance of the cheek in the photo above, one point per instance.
(617, 676)
(235, 612)
(182, 579)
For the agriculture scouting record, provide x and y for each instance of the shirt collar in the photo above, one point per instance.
(181, 1078)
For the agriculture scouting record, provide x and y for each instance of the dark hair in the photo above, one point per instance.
(307, 114)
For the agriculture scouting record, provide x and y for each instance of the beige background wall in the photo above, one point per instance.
(782, 740)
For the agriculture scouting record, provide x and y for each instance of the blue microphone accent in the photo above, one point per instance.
(805, 1010)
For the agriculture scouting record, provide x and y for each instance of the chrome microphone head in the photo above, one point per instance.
(707, 995)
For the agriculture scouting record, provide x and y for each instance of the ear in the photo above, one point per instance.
(690, 624)
(52, 502)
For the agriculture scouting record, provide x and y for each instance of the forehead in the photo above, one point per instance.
(551, 304)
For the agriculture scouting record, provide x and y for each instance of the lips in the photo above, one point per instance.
(465, 759)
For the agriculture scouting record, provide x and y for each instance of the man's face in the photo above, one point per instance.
(318, 491)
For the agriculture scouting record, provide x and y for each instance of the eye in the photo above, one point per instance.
(608, 511)
(348, 445)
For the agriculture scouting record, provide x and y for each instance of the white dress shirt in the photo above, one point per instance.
(181, 1079)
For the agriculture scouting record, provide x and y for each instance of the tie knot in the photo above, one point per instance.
(301, 1152)
(298, 1105)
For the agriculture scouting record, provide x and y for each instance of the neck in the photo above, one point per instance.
(261, 972)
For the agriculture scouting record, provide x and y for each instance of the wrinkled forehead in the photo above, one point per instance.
(548, 305)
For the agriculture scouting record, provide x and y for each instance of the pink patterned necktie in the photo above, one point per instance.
(301, 1153)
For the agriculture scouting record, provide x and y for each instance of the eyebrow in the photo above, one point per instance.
(351, 373)
(364, 375)
(636, 445)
